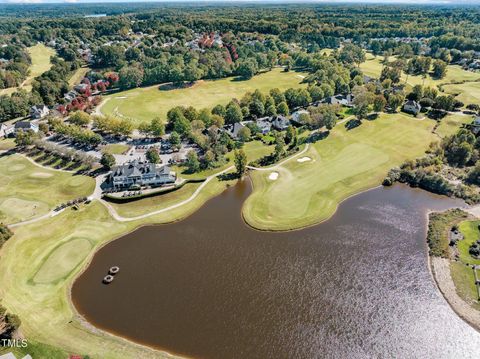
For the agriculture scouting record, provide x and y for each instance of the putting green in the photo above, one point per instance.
(143, 104)
(63, 260)
(343, 164)
(16, 209)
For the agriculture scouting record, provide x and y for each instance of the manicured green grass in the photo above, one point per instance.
(27, 191)
(36, 350)
(77, 76)
(468, 92)
(40, 55)
(143, 104)
(373, 67)
(464, 280)
(470, 233)
(62, 260)
(7, 144)
(450, 124)
(341, 165)
(115, 149)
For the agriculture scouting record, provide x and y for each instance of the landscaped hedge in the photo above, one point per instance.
(161, 191)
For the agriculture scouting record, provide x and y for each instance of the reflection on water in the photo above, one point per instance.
(356, 286)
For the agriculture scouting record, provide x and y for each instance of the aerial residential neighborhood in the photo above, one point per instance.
(239, 179)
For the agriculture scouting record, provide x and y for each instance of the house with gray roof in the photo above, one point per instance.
(6, 130)
(38, 112)
(343, 100)
(412, 107)
(140, 174)
(264, 125)
(280, 123)
(234, 129)
(26, 126)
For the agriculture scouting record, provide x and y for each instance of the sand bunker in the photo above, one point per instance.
(273, 176)
(121, 97)
(304, 159)
(41, 175)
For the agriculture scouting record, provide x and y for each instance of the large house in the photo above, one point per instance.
(26, 126)
(6, 130)
(264, 125)
(280, 123)
(412, 107)
(234, 130)
(39, 112)
(343, 100)
(297, 116)
(140, 174)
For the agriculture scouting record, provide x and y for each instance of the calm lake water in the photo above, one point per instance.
(356, 286)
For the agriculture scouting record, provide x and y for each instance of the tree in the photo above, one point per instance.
(247, 68)
(234, 113)
(316, 93)
(240, 162)
(157, 127)
(244, 134)
(152, 155)
(5, 234)
(290, 134)
(219, 110)
(282, 109)
(256, 108)
(80, 118)
(174, 138)
(279, 151)
(394, 101)
(107, 160)
(379, 103)
(192, 162)
(24, 138)
(130, 77)
(439, 69)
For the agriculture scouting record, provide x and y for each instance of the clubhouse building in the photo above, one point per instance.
(138, 174)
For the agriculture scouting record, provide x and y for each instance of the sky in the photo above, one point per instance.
(260, 1)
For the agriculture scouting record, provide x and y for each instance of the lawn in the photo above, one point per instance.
(341, 165)
(450, 124)
(27, 191)
(7, 144)
(38, 266)
(455, 74)
(143, 104)
(470, 233)
(464, 280)
(115, 149)
(77, 76)
(40, 55)
(467, 93)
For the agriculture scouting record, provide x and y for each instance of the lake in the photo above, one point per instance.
(355, 286)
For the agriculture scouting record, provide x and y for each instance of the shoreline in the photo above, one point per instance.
(440, 269)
